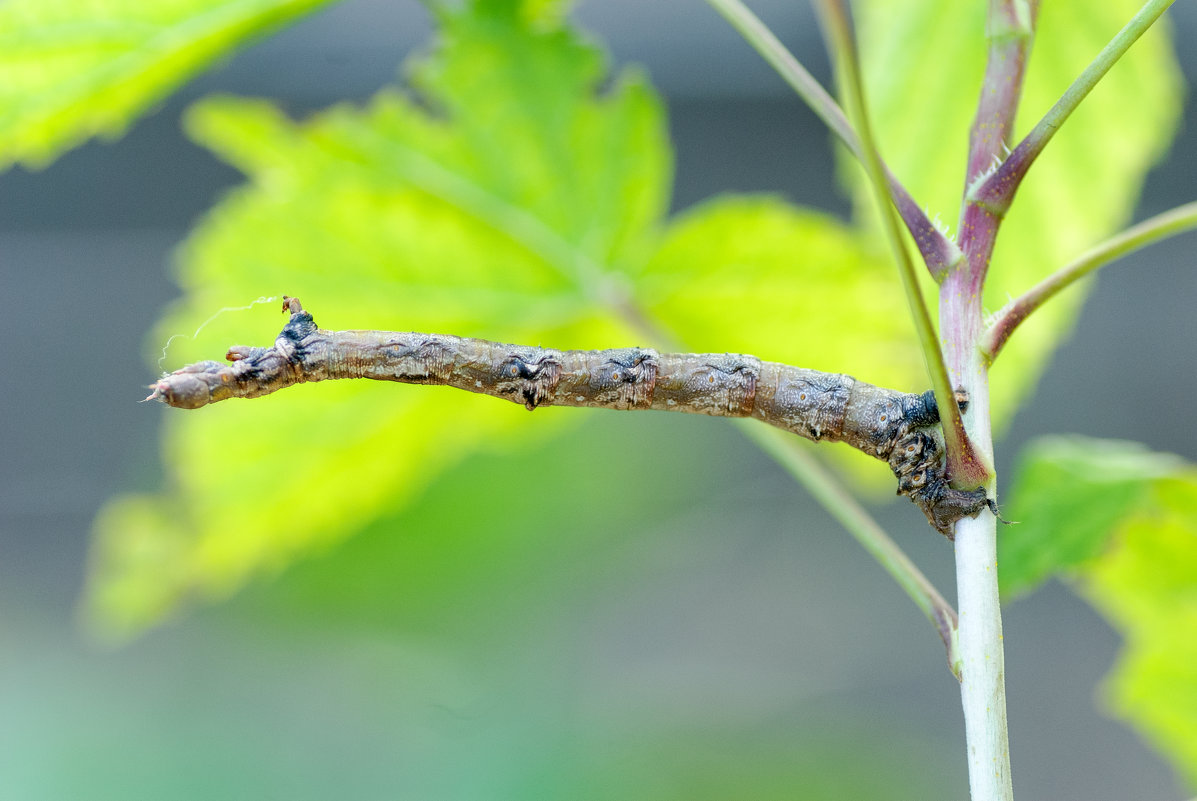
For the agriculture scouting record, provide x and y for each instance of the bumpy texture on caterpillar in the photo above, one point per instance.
(899, 428)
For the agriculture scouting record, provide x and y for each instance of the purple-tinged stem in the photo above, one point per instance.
(995, 190)
(980, 646)
(1009, 31)
(939, 253)
(1176, 221)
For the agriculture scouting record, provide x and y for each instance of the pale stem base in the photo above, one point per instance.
(983, 665)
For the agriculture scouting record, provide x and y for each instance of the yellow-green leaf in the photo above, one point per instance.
(74, 69)
(757, 275)
(492, 216)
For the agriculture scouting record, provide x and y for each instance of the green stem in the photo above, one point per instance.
(1170, 223)
(806, 469)
(939, 253)
(995, 191)
(967, 468)
(757, 34)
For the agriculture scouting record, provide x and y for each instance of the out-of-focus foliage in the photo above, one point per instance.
(541, 644)
(498, 214)
(785, 283)
(512, 198)
(537, 642)
(74, 69)
(510, 201)
(924, 61)
(1121, 523)
(1147, 586)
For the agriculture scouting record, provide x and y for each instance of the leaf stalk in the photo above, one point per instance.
(939, 252)
(831, 494)
(1162, 226)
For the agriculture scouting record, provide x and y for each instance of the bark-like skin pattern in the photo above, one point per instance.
(898, 428)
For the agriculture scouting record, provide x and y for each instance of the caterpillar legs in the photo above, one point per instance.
(918, 463)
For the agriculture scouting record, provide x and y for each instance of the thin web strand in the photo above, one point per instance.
(205, 324)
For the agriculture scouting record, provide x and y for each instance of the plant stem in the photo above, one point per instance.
(757, 34)
(1009, 31)
(966, 467)
(807, 470)
(982, 686)
(983, 670)
(995, 191)
(939, 253)
(1170, 223)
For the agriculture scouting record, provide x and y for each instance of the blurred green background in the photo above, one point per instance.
(646, 608)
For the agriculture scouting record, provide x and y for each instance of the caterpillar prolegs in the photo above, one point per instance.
(898, 428)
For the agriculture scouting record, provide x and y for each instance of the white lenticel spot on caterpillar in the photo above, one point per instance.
(205, 323)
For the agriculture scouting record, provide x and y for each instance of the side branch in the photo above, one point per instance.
(801, 463)
(898, 428)
(1170, 223)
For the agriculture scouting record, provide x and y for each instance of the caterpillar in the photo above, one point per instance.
(901, 429)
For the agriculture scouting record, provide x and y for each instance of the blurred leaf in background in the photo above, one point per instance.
(499, 214)
(71, 70)
(509, 201)
(1120, 523)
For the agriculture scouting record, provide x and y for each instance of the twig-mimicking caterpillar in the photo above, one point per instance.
(899, 428)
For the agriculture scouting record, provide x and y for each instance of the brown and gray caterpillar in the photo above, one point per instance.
(898, 428)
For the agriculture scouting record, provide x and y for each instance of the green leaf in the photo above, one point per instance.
(924, 61)
(495, 214)
(1121, 522)
(71, 70)
(1068, 498)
